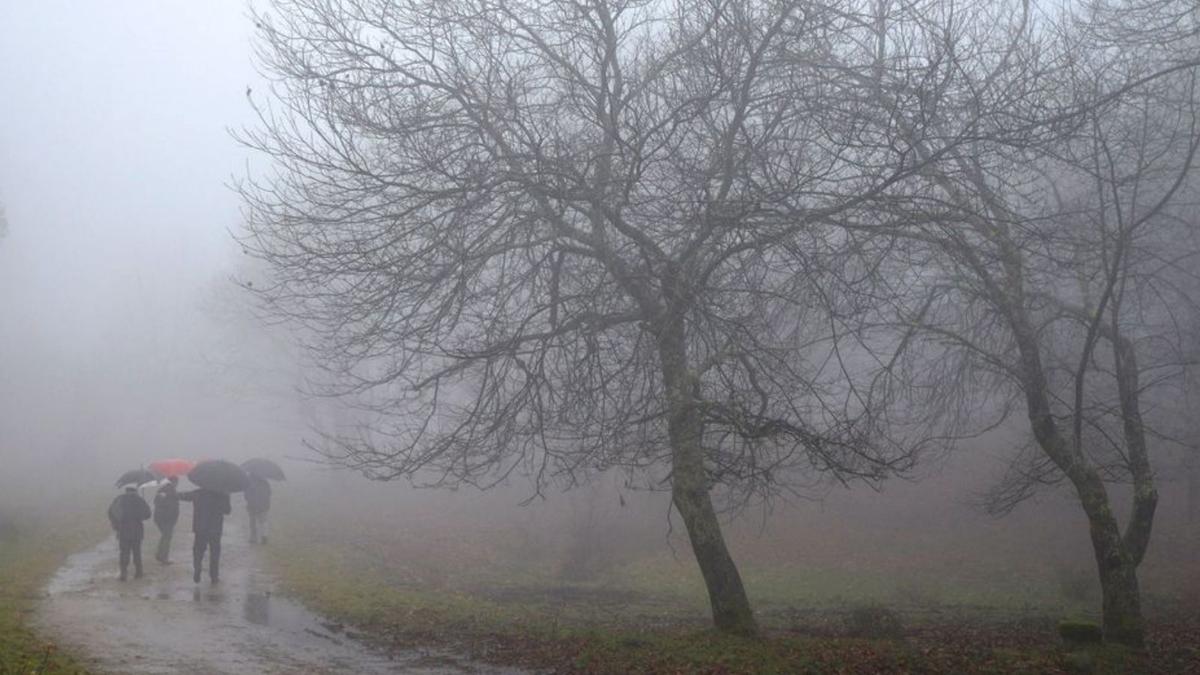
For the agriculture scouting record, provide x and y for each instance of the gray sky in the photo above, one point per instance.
(115, 158)
(114, 152)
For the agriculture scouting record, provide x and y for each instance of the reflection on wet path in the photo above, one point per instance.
(257, 608)
(165, 623)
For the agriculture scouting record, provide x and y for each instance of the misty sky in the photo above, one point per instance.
(114, 153)
(115, 160)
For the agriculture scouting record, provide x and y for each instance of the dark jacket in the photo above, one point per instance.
(126, 514)
(209, 509)
(166, 506)
(258, 495)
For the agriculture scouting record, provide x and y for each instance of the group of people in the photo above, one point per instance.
(209, 508)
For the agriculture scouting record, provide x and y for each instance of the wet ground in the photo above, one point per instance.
(165, 623)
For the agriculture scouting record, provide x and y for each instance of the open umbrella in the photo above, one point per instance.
(172, 467)
(220, 475)
(136, 477)
(263, 468)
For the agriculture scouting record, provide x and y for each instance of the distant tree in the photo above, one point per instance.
(1049, 276)
(560, 237)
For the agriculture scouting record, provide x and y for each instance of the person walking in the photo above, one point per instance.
(209, 509)
(166, 515)
(126, 514)
(258, 502)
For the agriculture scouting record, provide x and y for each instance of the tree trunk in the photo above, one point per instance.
(726, 594)
(1117, 556)
(690, 493)
(1121, 603)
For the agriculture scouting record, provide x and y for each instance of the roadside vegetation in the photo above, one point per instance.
(33, 544)
(406, 581)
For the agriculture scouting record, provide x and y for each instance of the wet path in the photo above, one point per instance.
(164, 623)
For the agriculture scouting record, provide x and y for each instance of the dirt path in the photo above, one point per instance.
(164, 623)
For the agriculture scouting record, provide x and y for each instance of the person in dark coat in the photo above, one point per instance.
(126, 514)
(209, 509)
(258, 502)
(166, 514)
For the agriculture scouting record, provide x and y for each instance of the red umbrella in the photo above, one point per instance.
(172, 467)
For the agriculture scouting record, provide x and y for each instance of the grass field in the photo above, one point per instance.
(32, 546)
(480, 587)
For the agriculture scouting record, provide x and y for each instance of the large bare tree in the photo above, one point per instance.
(559, 236)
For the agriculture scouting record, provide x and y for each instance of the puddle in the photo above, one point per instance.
(165, 623)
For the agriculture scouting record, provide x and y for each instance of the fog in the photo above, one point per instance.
(114, 165)
(124, 337)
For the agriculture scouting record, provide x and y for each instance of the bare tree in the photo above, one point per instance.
(1047, 275)
(560, 237)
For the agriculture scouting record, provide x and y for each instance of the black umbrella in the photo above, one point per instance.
(136, 477)
(263, 468)
(219, 475)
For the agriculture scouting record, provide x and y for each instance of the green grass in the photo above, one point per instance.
(31, 549)
(648, 615)
(708, 652)
(566, 638)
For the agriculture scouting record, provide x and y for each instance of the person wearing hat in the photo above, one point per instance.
(126, 514)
